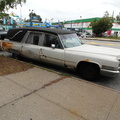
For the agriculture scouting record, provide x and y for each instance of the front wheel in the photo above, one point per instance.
(89, 71)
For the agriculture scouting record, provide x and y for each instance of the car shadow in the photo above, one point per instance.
(111, 82)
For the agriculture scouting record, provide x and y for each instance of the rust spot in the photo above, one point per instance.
(7, 45)
(21, 51)
(77, 113)
(86, 60)
(74, 112)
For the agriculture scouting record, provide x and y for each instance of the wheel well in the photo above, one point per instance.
(85, 63)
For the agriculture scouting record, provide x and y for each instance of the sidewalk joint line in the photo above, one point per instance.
(112, 106)
(31, 92)
(63, 107)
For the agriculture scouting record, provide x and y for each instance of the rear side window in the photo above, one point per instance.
(16, 35)
(33, 38)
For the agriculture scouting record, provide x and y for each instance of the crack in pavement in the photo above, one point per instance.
(44, 86)
(54, 81)
(25, 95)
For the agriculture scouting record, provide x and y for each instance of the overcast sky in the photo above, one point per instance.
(68, 10)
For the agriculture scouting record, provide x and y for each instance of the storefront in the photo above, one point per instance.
(84, 25)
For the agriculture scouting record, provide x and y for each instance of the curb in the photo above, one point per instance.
(101, 39)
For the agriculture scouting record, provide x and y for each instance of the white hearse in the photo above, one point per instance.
(62, 48)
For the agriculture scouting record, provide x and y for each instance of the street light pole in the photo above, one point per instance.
(81, 22)
(31, 11)
(20, 16)
(71, 25)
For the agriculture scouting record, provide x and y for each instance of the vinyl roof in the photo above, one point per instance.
(48, 30)
(17, 34)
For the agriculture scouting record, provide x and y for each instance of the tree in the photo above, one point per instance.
(6, 4)
(35, 17)
(2, 15)
(102, 25)
(106, 14)
(118, 18)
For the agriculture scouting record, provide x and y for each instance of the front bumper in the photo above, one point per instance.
(110, 73)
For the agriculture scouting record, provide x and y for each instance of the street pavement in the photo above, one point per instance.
(102, 39)
(39, 94)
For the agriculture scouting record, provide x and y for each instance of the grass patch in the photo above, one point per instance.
(10, 65)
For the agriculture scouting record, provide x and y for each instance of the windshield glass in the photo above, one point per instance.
(70, 40)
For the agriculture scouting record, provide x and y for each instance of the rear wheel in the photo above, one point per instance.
(16, 56)
(89, 71)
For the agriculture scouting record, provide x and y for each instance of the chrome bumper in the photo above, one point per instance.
(110, 73)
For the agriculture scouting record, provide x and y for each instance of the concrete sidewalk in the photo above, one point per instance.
(38, 94)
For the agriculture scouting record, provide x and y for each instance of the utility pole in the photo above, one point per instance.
(81, 23)
(71, 25)
(31, 11)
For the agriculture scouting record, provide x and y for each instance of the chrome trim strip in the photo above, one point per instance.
(16, 34)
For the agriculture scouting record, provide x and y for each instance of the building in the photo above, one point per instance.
(83, 25)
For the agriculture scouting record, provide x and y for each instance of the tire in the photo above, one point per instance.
(16, 56)
(89, 71)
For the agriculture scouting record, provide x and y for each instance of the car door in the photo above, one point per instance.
(31, 46)
(52, 50)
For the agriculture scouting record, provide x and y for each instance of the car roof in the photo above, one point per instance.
(48, 30)
(17, 34)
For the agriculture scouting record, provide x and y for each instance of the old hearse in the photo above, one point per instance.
(63, 48)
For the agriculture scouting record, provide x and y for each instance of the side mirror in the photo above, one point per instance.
(53, 46)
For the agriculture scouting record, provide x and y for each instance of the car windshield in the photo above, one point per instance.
(70, 40)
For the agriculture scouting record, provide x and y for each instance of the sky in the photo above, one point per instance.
(63, 10)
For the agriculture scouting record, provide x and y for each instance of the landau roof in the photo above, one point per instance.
(22, 31)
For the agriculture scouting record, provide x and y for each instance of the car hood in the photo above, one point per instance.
(96, 50)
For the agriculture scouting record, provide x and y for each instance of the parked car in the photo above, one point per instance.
(2, 33)
(63, 48)
(84, 34)
(99, 35)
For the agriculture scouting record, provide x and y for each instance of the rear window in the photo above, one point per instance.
(15, 35)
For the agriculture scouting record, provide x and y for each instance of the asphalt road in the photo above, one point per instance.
(113, 82)
(103, 43)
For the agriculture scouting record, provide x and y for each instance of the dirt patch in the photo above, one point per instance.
(10, 65)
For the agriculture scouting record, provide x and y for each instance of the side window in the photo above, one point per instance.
(33, 38)
(51, 39)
